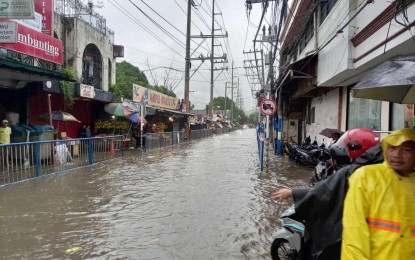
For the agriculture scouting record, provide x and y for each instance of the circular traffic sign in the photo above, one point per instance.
(268, 107)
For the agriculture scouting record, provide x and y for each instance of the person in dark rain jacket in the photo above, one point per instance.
(321, 207)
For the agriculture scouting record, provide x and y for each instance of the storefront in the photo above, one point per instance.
(87, 106)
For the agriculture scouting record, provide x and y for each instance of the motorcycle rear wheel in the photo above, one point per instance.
(282, 250)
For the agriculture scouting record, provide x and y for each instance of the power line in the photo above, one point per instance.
(171, 36)
(131, 17)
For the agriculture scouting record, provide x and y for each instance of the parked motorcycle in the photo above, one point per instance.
(311, 154)
(287, 241)
(322, 171)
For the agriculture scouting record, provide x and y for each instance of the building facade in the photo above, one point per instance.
(76, 79)
(329, 46)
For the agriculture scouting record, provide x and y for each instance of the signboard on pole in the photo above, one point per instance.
(268, 107)
(154, 98)
(17, 9)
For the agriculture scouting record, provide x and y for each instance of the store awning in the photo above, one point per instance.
(296, 70)
(161, 109)
(25, 72)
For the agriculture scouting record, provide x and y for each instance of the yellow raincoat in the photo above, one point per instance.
(379, 211)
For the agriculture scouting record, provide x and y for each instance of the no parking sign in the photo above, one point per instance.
(268, 107)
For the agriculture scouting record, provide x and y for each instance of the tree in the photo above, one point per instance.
(127, 75)
(238, 114)
(169, 77)
(253, 118)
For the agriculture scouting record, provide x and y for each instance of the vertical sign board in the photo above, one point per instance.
(17, 9)
(8, 32)
(45, 9)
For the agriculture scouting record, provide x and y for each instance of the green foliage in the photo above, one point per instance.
(117, 91)
(253, 118)
(238, 114)
(68, 73)
(128, 74)
(68, 92)
(163, 90)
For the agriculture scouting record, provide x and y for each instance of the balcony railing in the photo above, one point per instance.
(79, 10)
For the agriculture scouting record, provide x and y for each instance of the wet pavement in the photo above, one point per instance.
(200, 200)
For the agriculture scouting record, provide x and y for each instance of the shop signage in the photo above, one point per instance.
(17, 9)
(36, 44)
(154, 98)
(8, 32)
(45, 9)
(86, 91)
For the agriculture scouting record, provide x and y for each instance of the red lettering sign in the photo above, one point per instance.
(36, 44)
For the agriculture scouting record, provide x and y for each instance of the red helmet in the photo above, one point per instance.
(357, 141)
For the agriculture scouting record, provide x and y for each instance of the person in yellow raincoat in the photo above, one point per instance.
(379, 211)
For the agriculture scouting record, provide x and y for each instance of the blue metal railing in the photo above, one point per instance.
(24, 161)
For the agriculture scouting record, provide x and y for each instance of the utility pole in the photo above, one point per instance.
(226, 88)
(211, 61)
(187, 62)
(232, 94)
(212, 57)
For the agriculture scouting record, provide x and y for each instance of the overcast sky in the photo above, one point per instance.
(144, 42)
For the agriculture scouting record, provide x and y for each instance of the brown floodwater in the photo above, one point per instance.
(201, 200)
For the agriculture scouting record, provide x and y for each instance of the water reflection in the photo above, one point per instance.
(203, 200)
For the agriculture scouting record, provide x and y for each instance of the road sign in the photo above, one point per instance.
(268, 107)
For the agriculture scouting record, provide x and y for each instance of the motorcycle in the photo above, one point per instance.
(287, 241)
(322, 171)
(311, 154)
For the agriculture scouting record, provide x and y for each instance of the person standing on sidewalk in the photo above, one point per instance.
(379, 210)
(5, 132)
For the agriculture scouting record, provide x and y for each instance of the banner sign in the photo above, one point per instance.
(86, 91)
(8, 32)
(45, 9)
(154, 98)
(17, 9)
(37, 44)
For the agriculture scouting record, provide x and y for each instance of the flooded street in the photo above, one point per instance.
(201, 200)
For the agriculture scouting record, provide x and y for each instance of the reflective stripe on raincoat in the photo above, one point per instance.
(379, 214)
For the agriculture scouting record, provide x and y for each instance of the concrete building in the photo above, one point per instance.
(77, 68)
(329, 46)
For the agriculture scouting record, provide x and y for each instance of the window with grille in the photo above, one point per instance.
(92, 66)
